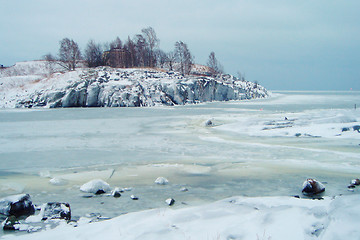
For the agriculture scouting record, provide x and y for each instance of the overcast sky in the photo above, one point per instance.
(282, 44)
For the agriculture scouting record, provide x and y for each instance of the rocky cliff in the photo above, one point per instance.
(109, 87)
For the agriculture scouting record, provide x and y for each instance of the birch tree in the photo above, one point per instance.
(69, 54)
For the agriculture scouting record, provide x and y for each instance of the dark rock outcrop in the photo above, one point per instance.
(17, 205)
(57, 210)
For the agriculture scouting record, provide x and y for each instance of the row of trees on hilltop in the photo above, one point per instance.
(143, 50)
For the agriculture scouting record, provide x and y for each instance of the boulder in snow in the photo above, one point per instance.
(116, 193)
(209, 123)
(17, 205)
(312, 186)
(56, 210)
(133, 197)
(10, 223)
(96, 186)
(356, 128)
(161, 181)
(170, 201)
(354, 183)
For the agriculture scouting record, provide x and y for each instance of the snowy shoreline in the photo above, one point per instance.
(231, 218)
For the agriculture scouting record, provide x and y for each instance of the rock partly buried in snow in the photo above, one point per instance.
(17, 205)
(357, 128)
(13, 224)
(312, 187)
(354, 183)
(170, 201)
(96, 186)
(209, 123)
(116, 193)
(133, 197)
(56, 210)
(10, 223)
(161, 181)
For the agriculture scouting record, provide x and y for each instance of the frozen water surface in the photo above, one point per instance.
(262, 147)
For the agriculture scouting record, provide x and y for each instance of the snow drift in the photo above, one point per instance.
(232, 218)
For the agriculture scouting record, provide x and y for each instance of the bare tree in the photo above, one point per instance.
(93, 54)
(141, 50)
(130, 48)
(171, 58)
(183, 57)
(50, 63)
(152, 42)
(116, 43)
(214, 65)
(161, 57)
(69, 54)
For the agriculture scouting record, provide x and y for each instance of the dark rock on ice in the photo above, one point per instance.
(87, 196)
(356, 128)
(133, 197)
(170, 201)
(10, 223)
(209, 123)
(312, 186)
(17, 205)
(116, 193)
(100, 191)
(345, 129)
(57, 210)
(354, 183)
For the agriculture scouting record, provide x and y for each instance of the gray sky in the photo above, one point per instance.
(284, 45)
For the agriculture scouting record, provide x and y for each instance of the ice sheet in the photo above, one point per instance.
(131, 147)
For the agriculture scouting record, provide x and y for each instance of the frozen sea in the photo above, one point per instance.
(264, 147)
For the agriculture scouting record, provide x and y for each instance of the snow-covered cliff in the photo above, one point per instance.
(109, 87)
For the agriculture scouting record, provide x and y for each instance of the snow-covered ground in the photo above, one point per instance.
(233, 218)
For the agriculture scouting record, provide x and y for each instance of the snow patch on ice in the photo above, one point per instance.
(95, 185)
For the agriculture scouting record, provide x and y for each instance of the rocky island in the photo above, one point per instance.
(27, 85)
